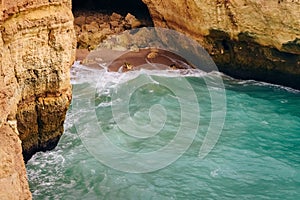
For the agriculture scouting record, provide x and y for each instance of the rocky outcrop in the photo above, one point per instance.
(37, 49)
(246, 38)
(93, 27)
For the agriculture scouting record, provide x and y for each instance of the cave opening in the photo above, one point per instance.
(95, 20)
(135, 7)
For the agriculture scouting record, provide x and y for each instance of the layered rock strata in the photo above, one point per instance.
(37, 48)
(246, 38)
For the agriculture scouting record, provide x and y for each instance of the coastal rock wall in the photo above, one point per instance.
(13, 181)
(37, 49)
(251, 39)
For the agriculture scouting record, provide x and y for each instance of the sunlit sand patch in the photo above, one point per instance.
(148, 58)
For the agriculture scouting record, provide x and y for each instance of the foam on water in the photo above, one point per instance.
(81, 73)
(256, 157)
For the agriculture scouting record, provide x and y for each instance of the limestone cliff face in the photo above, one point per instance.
(246, 38)
(13, 181)
(37, 48)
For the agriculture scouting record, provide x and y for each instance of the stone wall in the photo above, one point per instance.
(250, 39)
(37, 49)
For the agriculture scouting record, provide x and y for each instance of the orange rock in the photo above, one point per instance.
(35, 84)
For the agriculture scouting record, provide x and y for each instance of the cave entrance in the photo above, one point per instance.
(97, 19)
(135, 7)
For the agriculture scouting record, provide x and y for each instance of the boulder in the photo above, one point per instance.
(132, 21)
(115, 17)
(79, 20)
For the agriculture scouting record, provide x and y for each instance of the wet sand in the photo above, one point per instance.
(122, 61)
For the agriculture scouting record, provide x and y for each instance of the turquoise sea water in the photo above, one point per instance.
(256, 157)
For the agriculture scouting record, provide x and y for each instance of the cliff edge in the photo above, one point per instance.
(37, 49)
(247, 39)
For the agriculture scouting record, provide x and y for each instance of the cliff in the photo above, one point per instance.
(37, 49)
(246, 38)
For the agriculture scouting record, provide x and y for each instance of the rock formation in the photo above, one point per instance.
(246, 38)
(13, 181)
(93, 27)
(37, 48)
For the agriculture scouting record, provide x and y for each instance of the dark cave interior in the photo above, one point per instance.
(135, 7)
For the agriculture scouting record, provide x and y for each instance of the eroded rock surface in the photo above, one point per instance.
(37, 49)
(13, 181)
(93, 27)
(246, 38)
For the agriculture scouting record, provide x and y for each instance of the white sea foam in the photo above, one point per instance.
(81, 74)
(258, 83)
